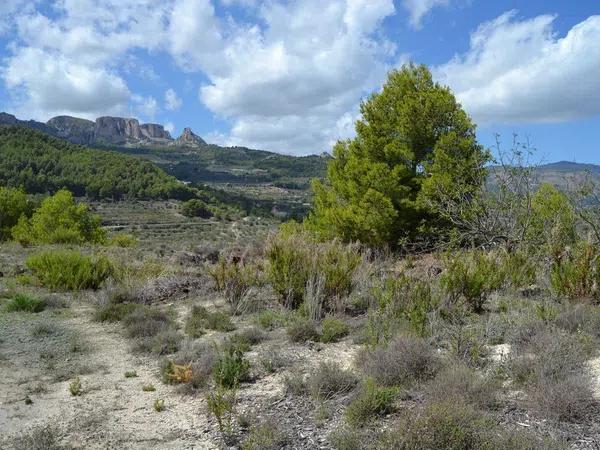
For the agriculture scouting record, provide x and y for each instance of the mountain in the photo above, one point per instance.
(189, 157)
(107, 130)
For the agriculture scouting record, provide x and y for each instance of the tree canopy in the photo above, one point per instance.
(413, 139)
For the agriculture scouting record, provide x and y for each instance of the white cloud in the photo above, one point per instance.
(169, 127)
(145, 107)
(172, 100)
(522, 71)
(285, 84)
(51, 84)
(418, 9)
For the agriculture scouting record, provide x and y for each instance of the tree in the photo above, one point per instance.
(60, 220)
(412, 135)
(14, 203)
(196, 208)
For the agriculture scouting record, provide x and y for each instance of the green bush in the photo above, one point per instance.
(14, 204)
(195, 208)
(330, 380)
(265, 436)
(333, 329)
(200, 318)
(70, 270)
(295, 255)
(26, 303)
(302, 330)
(371, 401)
(471, 277)
(59, 220)
(577, 275)
(123, 240)
(231, 368)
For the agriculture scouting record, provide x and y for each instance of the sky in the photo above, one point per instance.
(289, 75)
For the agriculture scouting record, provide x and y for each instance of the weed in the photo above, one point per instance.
(330, 380)
(70, 270)
(159, 405)
(265, 436)
(75, 387)
(221, 404)
(26, 303)
(270, 319)
(302, 330)
(148, 388)
(403, 361)
(131, 374)
(333, 329)
(200, 318)
(231, 368)
(44, 437)
(370, 402)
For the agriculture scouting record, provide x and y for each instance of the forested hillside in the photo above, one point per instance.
(40, 163)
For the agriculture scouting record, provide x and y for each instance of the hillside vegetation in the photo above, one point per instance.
(40, 164)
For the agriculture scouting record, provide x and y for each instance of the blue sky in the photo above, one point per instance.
(288, 75)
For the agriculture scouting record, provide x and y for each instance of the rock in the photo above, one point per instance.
(532, 290)
(116, 130)
(154, 131)
(73, 129)
(189, 139)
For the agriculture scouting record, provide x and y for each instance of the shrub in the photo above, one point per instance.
(577, 275)
(26, 303)
(231, 368)
(123, 240)
(403, 361)
(70, 270)
(200, 318)
(112, 312)
(59, 220)
(461, 384)
(265, 436)
(330, 380)
(302, 330)
(221, 404)
(294, 255)
(75, 387)
(131, 374)
(446, 425)
(195, 208)
(518, 268)
(234, 280)
(370, 402)
(333, 329)
(145, 321)
(159, 405)
(270, 319)
(471, 277)
(14, 204)
(44, 437)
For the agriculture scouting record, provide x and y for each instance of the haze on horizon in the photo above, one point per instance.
(288, 76)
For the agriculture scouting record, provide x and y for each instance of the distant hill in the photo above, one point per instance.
(188, 158)
(41, 163)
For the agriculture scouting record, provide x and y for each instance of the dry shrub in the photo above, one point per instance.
(330, 380)
(406, 359)
(462, 384)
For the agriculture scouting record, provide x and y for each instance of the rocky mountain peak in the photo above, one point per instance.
(189, 139)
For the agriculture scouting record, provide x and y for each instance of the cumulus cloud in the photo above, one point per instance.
(172, 100)
(51, 84)
(418, 9)
(69, 62)
(285, 84)
(522, 71)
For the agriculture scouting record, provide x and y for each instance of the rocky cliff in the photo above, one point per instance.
(107, 130)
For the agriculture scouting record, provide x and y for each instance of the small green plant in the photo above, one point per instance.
(123, 240)
(301, 329)
(270, 319)
(221, 404)
(577, 275)
(201, 318)
(131, 374)
(159, 405)
(231, 368)
(333, 329)
(471, 277)
(26, 303)
(70, 270)
(371, 401)
(148, 388)
(265, 436)
(75, 387)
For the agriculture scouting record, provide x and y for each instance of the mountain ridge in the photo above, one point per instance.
(108, 130)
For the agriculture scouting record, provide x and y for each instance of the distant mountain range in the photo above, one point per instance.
(119, 131)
